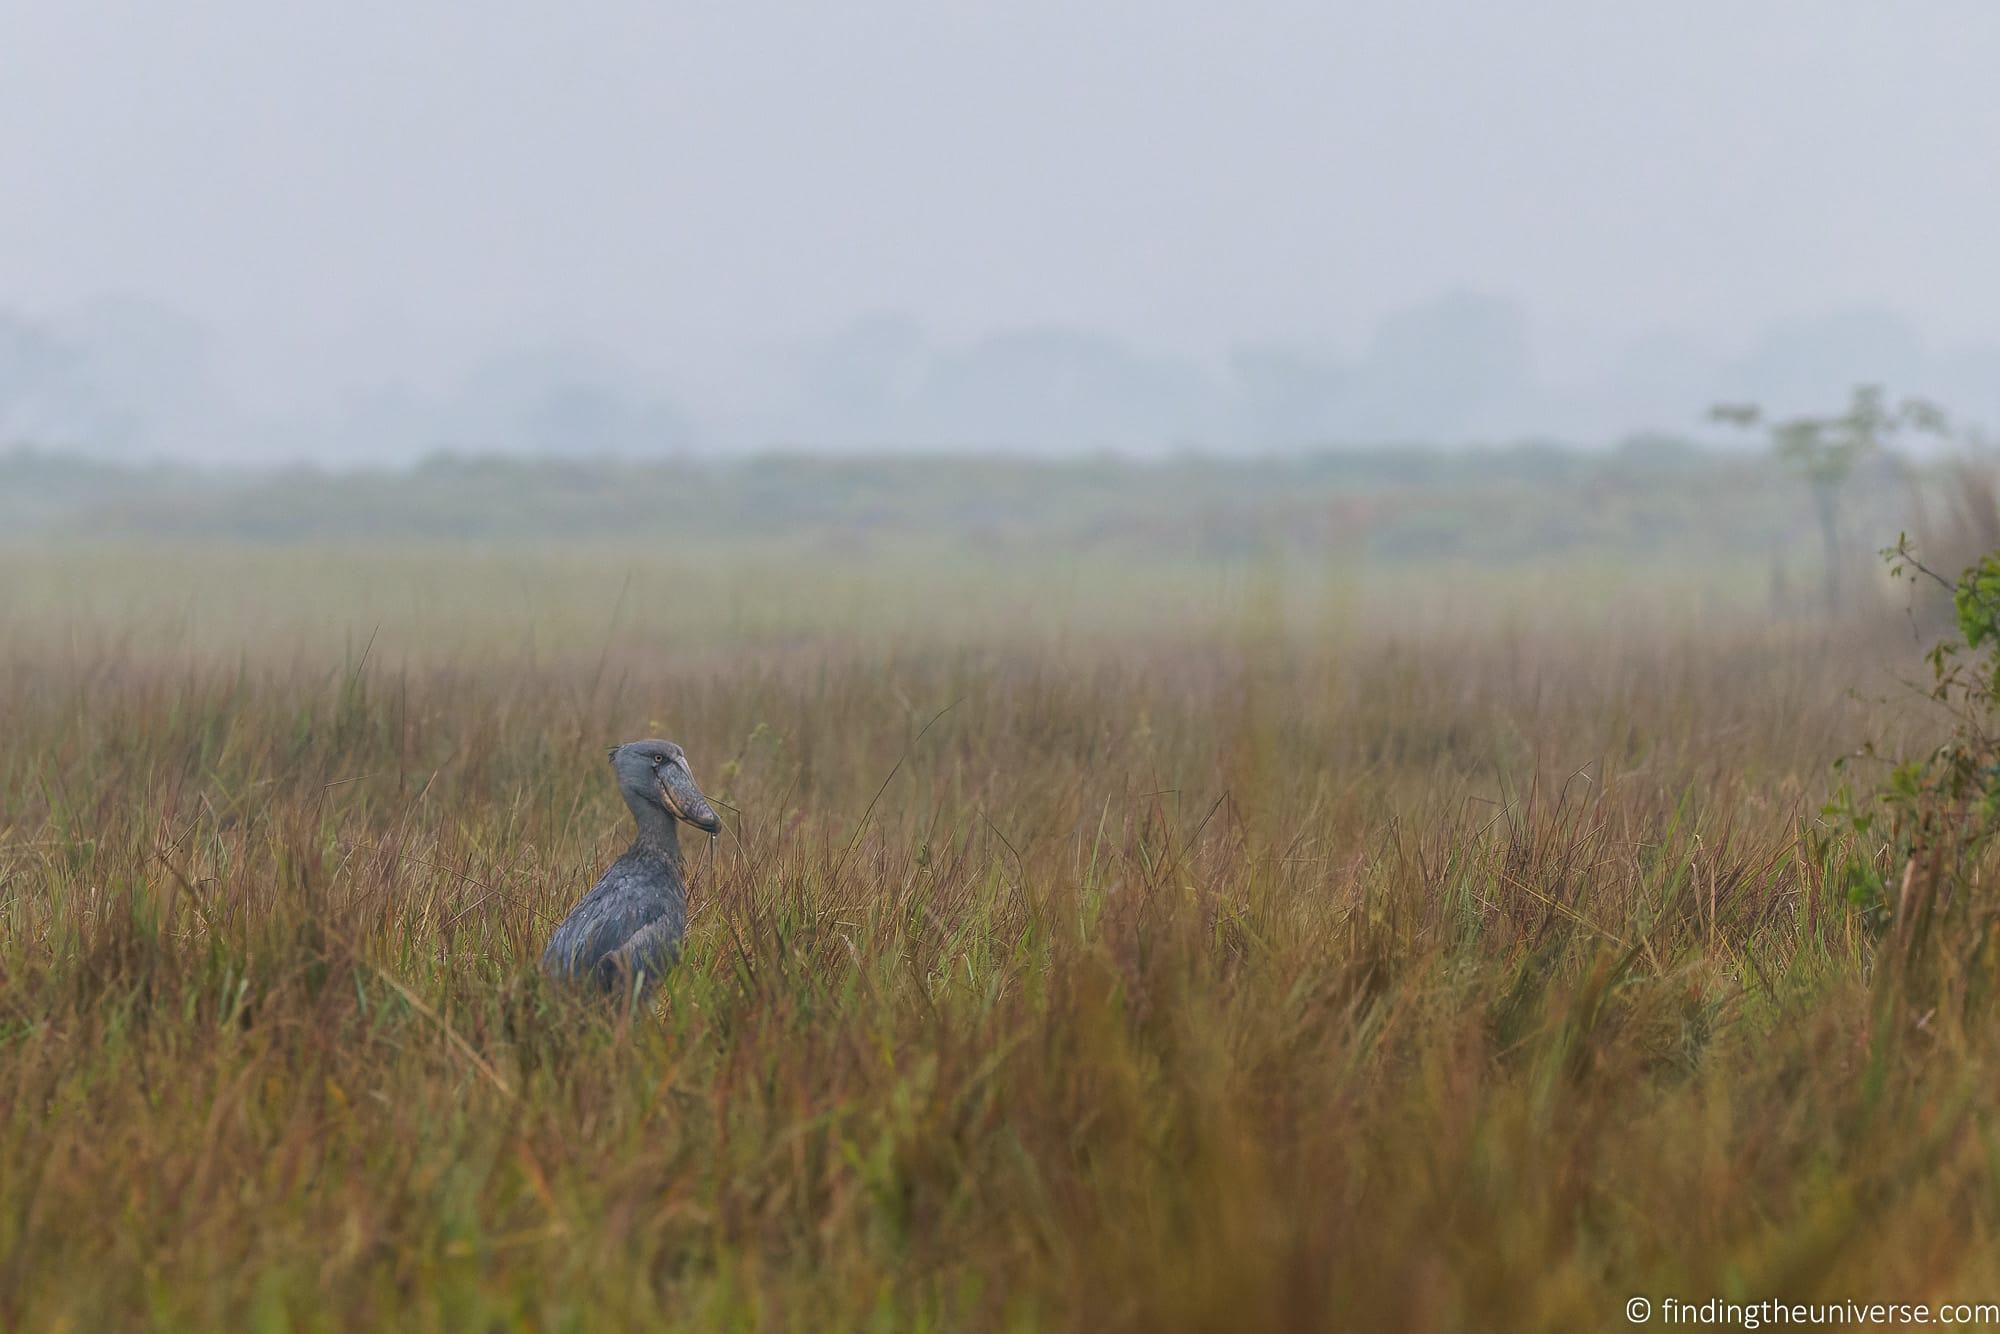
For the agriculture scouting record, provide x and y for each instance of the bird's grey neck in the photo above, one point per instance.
(657, 836)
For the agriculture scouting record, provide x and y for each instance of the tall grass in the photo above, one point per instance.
(1259, 965)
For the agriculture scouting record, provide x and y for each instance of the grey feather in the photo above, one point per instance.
(638, 896)
(629, 926)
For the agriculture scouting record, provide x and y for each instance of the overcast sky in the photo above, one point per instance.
(396, 180)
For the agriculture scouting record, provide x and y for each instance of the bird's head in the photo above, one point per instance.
(657, 773)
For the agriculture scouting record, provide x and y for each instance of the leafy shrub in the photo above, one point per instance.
(1925, 835)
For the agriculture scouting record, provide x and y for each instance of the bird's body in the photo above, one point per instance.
(629, 924)
(627, 930)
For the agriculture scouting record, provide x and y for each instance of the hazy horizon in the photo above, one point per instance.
(354, 232)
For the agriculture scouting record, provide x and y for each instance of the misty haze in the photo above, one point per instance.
(963, 666)
(361, 235)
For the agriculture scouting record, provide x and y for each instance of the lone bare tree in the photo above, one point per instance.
(1824, 451)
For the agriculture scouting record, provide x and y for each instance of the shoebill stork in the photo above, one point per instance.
(629, 925)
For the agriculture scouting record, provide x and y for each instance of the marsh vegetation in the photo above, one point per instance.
(1287, 939)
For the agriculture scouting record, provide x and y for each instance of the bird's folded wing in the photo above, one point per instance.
(654, 946)
(599, 926)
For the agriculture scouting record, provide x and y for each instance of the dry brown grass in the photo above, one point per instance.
(1259, 971)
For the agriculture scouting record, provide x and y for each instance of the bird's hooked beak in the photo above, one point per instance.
(684, 799)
